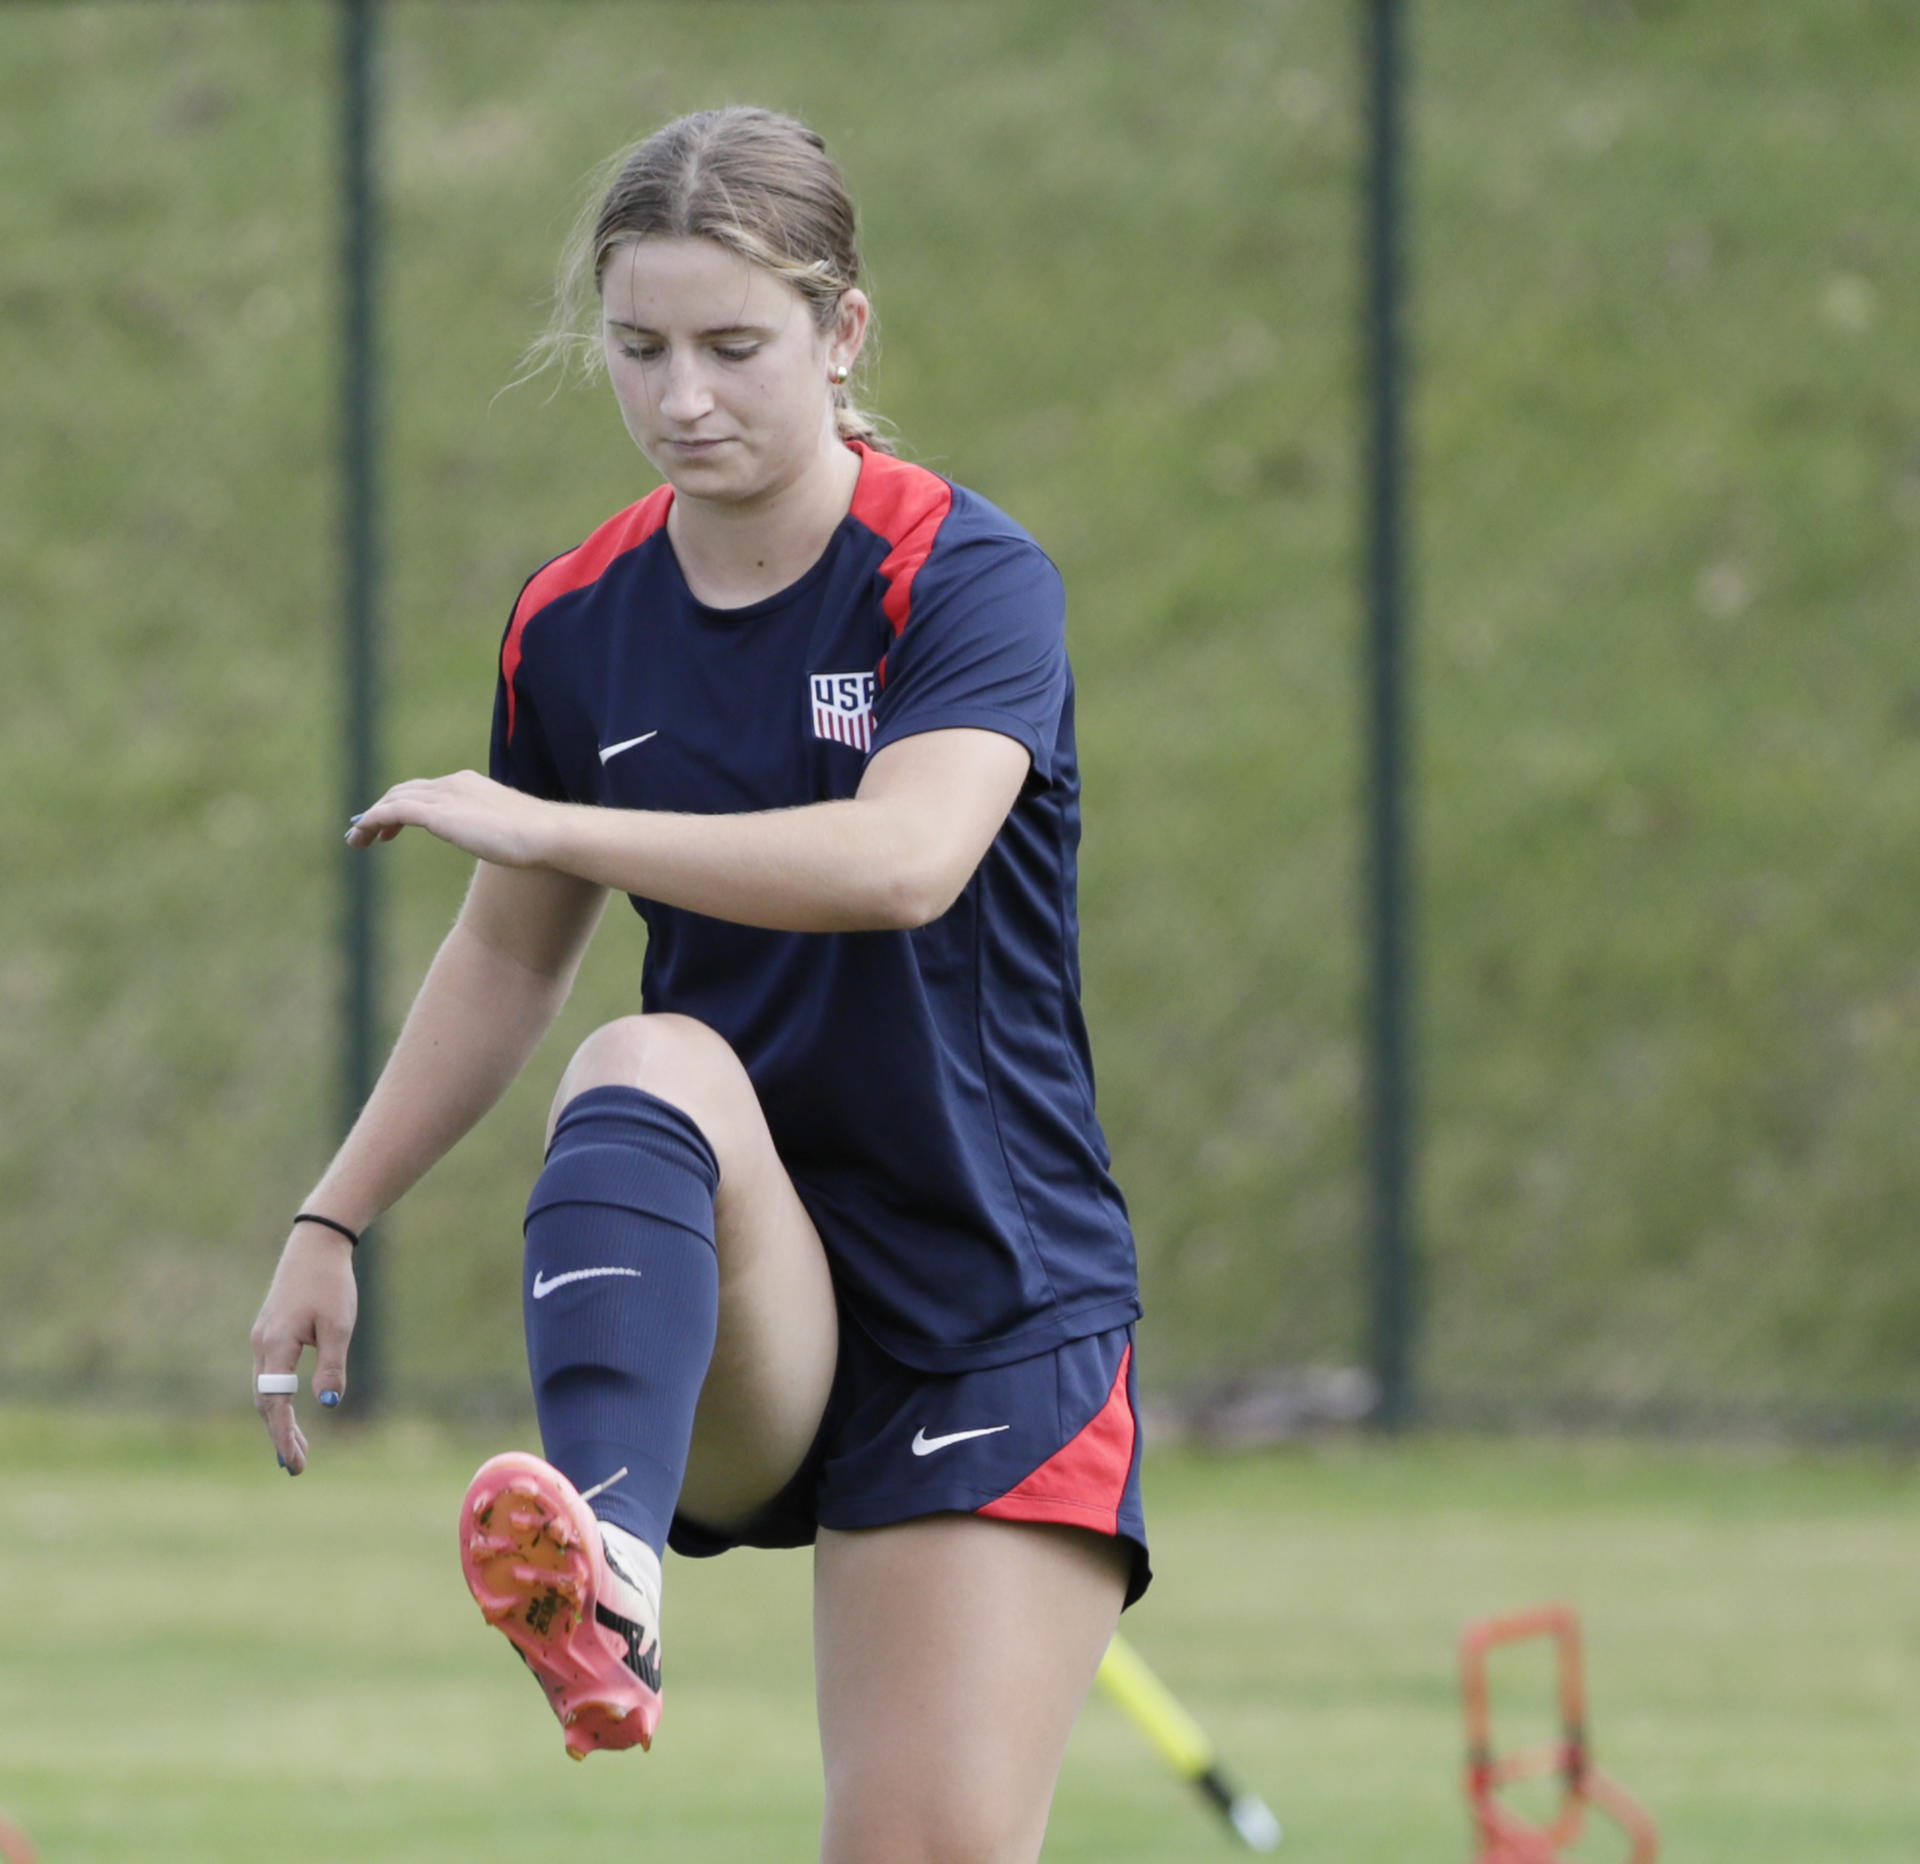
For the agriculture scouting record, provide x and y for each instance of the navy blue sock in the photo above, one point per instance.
(622, 1298)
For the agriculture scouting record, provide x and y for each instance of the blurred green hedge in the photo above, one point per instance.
(1668, 340)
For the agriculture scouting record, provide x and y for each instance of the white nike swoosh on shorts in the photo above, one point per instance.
(923, 1445)
(544, 1285)
(625, 744)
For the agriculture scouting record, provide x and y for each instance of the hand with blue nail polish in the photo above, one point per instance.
(312, 1302)
(500, 824)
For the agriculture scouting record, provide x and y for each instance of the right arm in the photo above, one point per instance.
(493, 990)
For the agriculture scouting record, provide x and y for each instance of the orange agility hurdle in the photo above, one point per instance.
(1504, 1836)
(15, 1846)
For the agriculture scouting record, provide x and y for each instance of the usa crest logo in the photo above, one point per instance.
(843, 708)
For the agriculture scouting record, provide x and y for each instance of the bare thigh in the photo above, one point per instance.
(952, 1655)
(773, 1359)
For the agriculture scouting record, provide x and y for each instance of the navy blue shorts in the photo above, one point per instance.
(1051, 1438)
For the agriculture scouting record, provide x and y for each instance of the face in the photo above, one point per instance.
(721, 373)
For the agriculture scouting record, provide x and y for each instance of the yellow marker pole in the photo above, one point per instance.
(1182, 1743)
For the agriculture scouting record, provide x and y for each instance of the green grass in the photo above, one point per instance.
(1668, 426)
(205, 1661)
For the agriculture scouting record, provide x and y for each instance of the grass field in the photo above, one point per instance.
(206, 1662)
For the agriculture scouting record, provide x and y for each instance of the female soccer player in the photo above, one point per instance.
(825, 1249)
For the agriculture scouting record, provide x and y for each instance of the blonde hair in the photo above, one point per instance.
(760, 184)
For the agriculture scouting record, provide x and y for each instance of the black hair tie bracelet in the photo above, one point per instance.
(310, 1216)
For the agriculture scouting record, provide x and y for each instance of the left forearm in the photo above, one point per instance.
(895, 856)
(846, 866)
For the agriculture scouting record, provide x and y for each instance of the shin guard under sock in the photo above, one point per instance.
(622, 1298)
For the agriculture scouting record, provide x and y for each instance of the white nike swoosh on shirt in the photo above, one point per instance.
(544, 1285)
(923, 1445)
(625, 744)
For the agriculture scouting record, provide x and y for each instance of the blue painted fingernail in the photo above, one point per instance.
(278, 1458)
(355, 818)
(329, 1399)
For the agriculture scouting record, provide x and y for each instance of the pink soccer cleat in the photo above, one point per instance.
(537, 1566)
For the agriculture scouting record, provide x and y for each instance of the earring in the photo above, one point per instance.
(838, 375)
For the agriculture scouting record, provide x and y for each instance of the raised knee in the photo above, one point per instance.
(677, 1058)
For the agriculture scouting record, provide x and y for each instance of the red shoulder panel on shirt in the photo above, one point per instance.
(906, 505)
(586, 563)
(1082, 1482)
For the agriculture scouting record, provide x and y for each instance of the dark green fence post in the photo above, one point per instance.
(1389, 905)
(360, 552)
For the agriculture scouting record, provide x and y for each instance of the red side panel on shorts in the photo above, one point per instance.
(586, 563)
(906, 505)
(1081, 1483)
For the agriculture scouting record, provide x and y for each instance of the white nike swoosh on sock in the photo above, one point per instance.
(923, 1445)
(544, 1285)
(626, 744)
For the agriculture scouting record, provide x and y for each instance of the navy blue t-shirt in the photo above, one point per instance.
(930, 1091)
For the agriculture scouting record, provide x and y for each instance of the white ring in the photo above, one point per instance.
(277, 1384)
